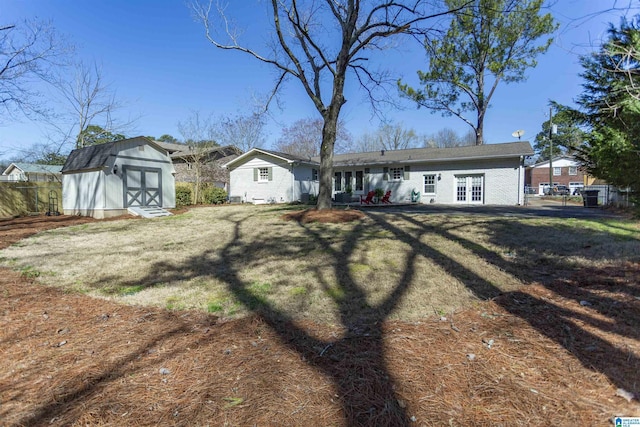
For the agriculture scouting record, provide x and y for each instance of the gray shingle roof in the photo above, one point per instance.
(91, 157)
(421, 155)
(36, 168)
(291, 157)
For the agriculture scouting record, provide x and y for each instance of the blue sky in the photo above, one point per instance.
(158, 61)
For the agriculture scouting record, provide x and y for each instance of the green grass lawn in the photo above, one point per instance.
(234, 259)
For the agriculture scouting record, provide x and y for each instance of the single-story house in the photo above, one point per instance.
(265, 176)
(566, 171)
(212, 160)
(105, 180)
(483, 174)
(32, 172)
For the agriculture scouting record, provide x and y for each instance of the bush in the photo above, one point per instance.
(183, 195)
(214, 195)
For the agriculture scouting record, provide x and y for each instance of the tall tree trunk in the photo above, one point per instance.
(329, 131)
(326, 158)
(480, 129)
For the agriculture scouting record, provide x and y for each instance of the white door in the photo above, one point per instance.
(470, 189)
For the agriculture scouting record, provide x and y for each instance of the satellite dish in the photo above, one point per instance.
(517, 134)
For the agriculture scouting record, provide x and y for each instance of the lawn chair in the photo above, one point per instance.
(369, 199)
(385, 198)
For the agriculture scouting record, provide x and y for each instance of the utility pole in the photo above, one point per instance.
(553, 129)
(550, 151)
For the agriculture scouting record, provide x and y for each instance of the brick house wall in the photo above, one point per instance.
(567, 172)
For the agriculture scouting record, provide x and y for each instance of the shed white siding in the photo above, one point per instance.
(100, 192)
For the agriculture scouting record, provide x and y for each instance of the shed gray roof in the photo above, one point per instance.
(96, 156)
(34, 168)
(421, 155)
(92, 157)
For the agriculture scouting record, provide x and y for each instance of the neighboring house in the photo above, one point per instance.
(104, 180)
(213, 163)
(566, 171)
(483, 174)
(32, 172)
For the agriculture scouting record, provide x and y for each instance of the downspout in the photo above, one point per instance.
(293, 183)
(520, 182)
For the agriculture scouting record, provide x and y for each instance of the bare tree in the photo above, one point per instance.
(388, 137)
(28, 52)
(242, 131)
(198, 134)
(448, 137)
(89, 101)
(304, 138)
(317, 43)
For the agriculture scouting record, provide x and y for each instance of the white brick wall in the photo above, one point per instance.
(278, 190)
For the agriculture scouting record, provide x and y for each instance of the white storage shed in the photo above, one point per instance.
(105, 180)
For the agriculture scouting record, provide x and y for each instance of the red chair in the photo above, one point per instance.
(369, 199)
(385, 198)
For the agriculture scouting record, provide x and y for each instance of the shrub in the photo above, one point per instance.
(183, 195)
(214, 195)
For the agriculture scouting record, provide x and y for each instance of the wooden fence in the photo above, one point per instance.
(29, 198)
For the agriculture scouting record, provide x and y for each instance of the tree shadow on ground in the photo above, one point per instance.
(588, 327)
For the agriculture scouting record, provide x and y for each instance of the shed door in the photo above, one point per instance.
(142, 186)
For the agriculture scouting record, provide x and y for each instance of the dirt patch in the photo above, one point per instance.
(325, 215)
(563, 354)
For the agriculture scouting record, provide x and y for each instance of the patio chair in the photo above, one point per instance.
(368, 199)
(385, 198)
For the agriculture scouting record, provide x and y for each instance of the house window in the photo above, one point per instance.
(573, 170)
(557, 171)
(430, 184)
(359, 181)
(348, 185)
(396, 173)
(189, 166)
(263, 174)
(314, 174)
(338, 181)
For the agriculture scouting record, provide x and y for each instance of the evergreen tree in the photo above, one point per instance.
(610, 107)
(488, 41)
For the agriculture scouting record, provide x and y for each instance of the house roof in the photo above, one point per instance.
(177, 151)
(33, 168)
(413, 155)
(545, 163)
(289, 158)
(96, 156)
(421, 155)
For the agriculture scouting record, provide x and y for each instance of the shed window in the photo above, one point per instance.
(396, 173)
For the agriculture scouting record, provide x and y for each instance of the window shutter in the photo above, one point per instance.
(407, 169)
(255, 174)
(270, 174)
(385, 174)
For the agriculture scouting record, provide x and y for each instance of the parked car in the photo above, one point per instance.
(557, 190)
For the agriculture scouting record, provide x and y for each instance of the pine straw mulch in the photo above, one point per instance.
(564, 354)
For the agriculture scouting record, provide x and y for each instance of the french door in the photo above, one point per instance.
(470, 189)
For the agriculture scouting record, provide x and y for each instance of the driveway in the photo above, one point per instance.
(536, 208)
